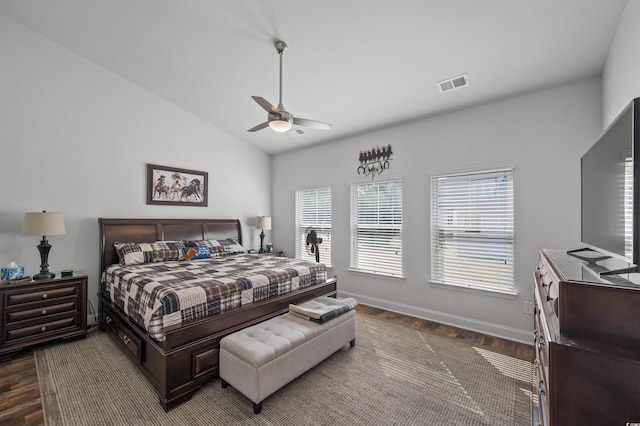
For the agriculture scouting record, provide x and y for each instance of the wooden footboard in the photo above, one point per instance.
(188, 358)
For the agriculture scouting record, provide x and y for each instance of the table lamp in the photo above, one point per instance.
(45, 223)
(262, 222)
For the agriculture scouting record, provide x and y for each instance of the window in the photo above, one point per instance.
(628, 207)
(472, 229)
(376, 227)
(313, 210)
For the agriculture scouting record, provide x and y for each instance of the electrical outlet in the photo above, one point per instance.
(527, 307)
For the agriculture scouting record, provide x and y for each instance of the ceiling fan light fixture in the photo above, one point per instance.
(280, 125)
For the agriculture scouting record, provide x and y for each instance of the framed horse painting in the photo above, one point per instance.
(176, 187)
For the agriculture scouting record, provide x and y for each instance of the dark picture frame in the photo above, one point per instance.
(172, 186)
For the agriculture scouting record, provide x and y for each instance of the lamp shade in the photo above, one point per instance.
(43, 223)
(263, 222)
(280, 125)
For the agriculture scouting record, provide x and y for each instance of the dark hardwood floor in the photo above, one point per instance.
(19, 391)
(20, 402)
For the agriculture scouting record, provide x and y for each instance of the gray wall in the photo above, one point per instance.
(544, 133)
(621, 76)
(76, 138)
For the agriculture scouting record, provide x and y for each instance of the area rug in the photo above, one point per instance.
(395, 375)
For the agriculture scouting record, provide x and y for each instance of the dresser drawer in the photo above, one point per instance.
(45, 294)
(542, 407)
(41, 329)
(41, 312)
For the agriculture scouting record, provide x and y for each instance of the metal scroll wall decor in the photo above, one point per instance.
(374, 161)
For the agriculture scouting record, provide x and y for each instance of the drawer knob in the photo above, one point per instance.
(126, 339)
(44, 296)
(44, 312)
(43, 328)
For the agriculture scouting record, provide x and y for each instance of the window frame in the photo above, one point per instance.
(397, 229)
(501, 232)
(321, 228)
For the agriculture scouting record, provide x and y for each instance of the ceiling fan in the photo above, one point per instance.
(278, 118)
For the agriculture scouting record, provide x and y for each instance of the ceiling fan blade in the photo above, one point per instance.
(259, 127)
(311, 123)
(266, 105)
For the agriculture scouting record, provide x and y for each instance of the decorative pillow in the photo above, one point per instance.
(134, 253)
(215, 249)
(197, 252)
(231, 245)
(166, 251)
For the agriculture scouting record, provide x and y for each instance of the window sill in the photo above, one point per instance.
(378, 274)
(505, 294)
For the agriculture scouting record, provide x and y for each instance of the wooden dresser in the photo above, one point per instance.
(587, 342)
(41, 311)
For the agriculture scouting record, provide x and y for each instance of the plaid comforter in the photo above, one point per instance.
(158, 295)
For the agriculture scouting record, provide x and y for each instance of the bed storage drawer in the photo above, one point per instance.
(126, 337)
(130, 341)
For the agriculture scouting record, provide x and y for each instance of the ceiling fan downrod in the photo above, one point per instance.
(281, 47)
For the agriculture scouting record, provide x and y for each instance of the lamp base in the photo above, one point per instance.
(261, 251)
(44, 276)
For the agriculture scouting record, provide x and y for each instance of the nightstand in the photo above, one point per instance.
(274, 253)
(41, 311)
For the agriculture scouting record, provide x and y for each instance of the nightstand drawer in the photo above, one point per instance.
(41, 312)
(47, 294)
(35, 330)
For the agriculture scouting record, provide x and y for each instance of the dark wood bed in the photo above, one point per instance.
(188, 357)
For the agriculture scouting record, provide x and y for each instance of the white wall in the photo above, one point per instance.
(621, 76)
(544, 133)
(76, 138)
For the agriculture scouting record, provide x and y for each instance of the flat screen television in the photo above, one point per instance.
(610, 190)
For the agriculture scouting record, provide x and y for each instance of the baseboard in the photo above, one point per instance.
(497, 330)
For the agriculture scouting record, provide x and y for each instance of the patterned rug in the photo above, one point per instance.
(395, 375)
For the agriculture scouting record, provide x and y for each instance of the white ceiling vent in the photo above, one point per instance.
(453, 83)
(296, 131)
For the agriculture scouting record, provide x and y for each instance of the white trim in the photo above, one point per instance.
(398, 277)
(387, 178)
(492, 329)
(490, 168)
(496, 292)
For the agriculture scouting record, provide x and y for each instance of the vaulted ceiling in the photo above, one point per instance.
(360, 65)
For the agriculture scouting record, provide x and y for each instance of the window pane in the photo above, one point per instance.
(313, 210)
(376, 227)
(472, 229)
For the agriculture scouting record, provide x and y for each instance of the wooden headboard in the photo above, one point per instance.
(150, 230)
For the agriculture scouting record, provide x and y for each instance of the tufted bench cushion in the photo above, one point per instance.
(260, 359)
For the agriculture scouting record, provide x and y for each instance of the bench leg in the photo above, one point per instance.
(224, 383)
(257, 408)
(352, 343)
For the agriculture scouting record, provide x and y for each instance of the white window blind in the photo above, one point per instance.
(472, 229)
(628, 207)
(376, 227)
(313, 210)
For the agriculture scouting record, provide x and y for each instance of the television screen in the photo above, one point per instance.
(609, 202)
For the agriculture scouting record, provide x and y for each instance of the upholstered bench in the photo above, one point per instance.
(260, 359)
